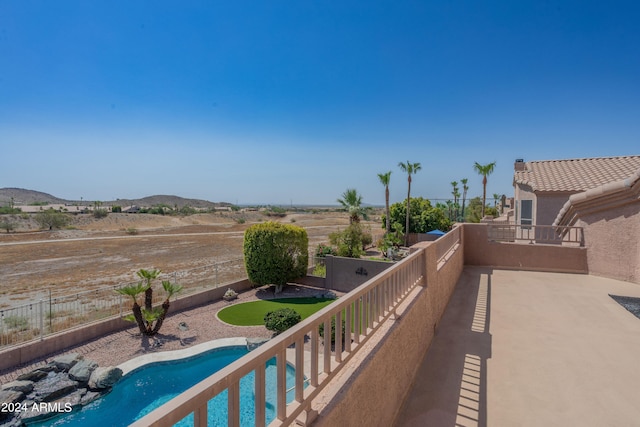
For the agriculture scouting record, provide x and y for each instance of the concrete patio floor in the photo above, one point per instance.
(521, 348)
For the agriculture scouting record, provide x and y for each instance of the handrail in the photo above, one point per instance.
(549, 234)
(364, 310)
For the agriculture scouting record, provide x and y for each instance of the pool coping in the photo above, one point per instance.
(168, 356)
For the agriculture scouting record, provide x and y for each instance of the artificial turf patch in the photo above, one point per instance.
(252, 313)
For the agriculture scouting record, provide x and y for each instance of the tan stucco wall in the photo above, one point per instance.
(374, 386)
(548, 205)
(478, 250)
(346, 274)
(613, 241)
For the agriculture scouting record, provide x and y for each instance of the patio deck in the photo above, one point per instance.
(519, 348)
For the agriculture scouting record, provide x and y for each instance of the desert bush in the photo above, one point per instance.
(320, 270)
(17, 322)
(51, 219)
(7, 225)
(132, 231)
(351, 241)
(281, 319)
(100, 213)
(275, 253)
(323, 250)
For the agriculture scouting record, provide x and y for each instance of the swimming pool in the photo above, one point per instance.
(144, 389)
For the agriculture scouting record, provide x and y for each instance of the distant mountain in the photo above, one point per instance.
(22, 196)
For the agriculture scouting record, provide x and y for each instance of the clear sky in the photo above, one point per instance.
(279, 102)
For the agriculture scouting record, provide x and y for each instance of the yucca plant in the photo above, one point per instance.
(148, 318)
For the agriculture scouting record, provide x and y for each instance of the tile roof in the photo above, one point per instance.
(575, 175)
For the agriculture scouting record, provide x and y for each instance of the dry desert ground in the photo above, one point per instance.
(95, 253)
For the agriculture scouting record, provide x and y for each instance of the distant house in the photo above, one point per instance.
(543, 187)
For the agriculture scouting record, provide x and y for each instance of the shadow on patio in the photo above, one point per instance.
(530, 348)
(450, 387)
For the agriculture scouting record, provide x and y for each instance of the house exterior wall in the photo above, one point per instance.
(611, 237)
(523, 192)
(548, 205)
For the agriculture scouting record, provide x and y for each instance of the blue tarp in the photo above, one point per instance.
(436, 232)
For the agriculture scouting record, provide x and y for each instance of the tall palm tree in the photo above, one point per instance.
(351, 201)
(484, 170)
(456, 194)
(465, 188)
(384, 180)
(410, 169)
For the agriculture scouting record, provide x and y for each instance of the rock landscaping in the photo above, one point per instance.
(65, 384)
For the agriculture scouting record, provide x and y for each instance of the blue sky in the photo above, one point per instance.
(280, 102)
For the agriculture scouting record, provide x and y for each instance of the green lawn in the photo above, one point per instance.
(252, 313)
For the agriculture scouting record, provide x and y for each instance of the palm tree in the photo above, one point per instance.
(351, 201)
(456, 194)
(384, 180)
(496, 199)
(145, 317)
(148, 276)
(484, 170)
(465, 188)
(410, 169)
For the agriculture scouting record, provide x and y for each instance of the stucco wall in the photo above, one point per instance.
(478, 250)
(619, 257)
(374, 387)
(548, 205)
(346, 274)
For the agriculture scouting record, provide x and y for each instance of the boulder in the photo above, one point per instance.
(11, 396)
(24, 386)
(66, 361)
(35, 375)
(106, 377)
(82, 370)
(53, 387)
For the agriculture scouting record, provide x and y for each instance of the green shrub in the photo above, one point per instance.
(320, 270)
(275, 253)
(333, 330)
(282, 319)
(323, 250)
(132, 231)
(100, 213)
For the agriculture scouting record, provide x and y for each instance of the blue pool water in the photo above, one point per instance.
(145, 389)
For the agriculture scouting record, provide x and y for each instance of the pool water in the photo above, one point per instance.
(149, 387)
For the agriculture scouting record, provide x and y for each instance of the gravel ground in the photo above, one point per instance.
(202, 325)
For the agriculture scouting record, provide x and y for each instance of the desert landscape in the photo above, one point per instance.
(94, 253)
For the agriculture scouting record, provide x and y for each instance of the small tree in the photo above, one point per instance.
(50, 219)
(148, 318)
(352, 241)
(7, 225)
(275, 253)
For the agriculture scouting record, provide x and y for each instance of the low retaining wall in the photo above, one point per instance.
(346, 274)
